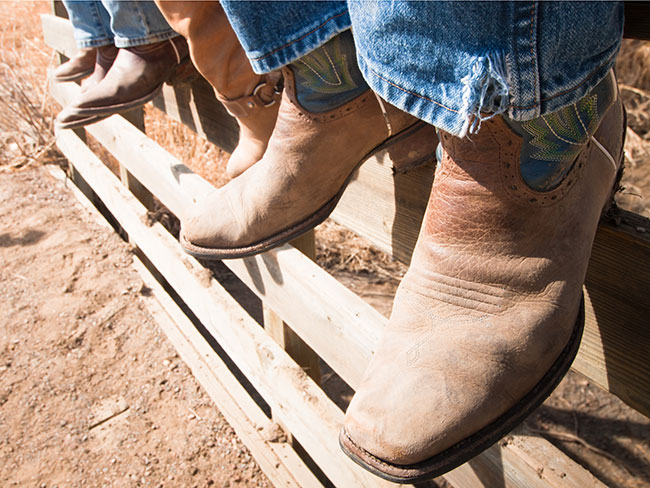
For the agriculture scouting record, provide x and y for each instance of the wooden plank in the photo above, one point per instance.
(297, 289)
(57, 33)
(282, 333)
(616, 344)
(277, 459)
(299, 402)
(384, 208)
(136, 118)
(525, 454)
(197, 107)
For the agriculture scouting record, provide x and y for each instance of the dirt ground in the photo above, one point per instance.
(91, 392)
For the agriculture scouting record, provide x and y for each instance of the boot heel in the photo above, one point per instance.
(410, 148)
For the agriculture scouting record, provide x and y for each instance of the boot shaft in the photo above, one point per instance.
(214, 47)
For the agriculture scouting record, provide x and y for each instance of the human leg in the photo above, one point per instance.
(90, 23)
(150, 53)
(488, 317)
(329, 122)
(215, 50)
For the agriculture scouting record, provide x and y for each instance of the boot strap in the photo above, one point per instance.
(265, 94)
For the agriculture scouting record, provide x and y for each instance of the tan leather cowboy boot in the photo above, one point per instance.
(311, 156)
(103, 61)
(135, 77)
(215, 50)
(77, 67)
(490, 313)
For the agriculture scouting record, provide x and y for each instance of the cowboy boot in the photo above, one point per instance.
(103, 61)
(489, 316)
(215, 50)
(77, 67)
(135, 77)
(328, 124)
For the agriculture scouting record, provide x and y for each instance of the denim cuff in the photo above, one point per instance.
(301, 45)
(141, 41)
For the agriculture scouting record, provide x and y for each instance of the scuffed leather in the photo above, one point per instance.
(308, 160)
(218, 56)
(490, 298)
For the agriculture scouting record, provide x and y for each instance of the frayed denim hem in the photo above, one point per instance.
(485, 93)
(480, 95)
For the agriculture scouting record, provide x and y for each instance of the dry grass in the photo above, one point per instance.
(26, 111)
(633, 70)
(201, 156)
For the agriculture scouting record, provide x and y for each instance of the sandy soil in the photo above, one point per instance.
(91, 393)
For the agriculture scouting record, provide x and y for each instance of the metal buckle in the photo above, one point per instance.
(259, 87)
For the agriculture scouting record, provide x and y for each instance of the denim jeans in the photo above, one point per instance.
(451, 64)
(125, 24)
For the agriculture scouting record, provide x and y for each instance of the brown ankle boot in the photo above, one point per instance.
(218, 56)
(309, 161)
(103, 61)
(135, 77)
(77, 67)
(490, 313)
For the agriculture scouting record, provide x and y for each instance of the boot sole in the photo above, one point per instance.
(79, 123)
(290, 233)
(99, 113)
(475, 444)
(75, 77)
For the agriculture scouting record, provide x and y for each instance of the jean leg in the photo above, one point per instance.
(135, 23)
(451, 63)
(275, 33)
(90, 21)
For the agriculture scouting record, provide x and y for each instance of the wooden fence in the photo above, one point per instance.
(310, 315)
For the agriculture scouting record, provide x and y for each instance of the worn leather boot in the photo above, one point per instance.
(135, 77)
(329, 123)
(489, 316)
(103, 61)
(215, 50)
(77, 67)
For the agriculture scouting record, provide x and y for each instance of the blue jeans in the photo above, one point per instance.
(451, 64)
(125, 24)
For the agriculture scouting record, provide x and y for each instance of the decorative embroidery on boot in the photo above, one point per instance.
(553, 142)
(329, 76)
